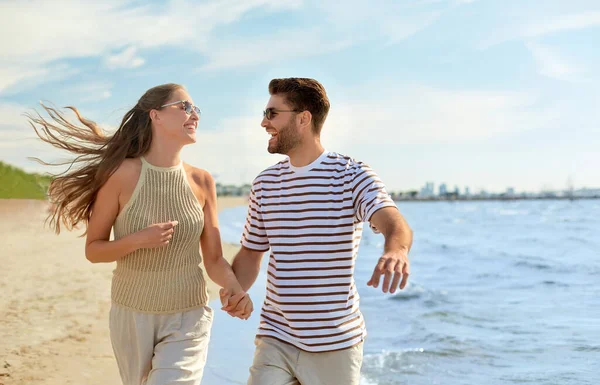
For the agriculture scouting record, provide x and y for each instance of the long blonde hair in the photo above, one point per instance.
(73, 192)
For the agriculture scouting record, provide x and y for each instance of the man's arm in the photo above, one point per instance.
(246, 263)
(394, 263)
(246, 266)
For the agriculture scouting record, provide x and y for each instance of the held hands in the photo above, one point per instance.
(236, 305)
(156, 235)
(393, 265)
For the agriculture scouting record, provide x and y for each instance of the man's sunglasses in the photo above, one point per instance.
(268, 113)
(187, 106)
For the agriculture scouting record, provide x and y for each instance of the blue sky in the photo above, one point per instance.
(481, 93)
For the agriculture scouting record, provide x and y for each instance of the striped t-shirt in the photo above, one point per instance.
(311, 219)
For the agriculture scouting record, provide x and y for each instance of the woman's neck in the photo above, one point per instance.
(163, 155)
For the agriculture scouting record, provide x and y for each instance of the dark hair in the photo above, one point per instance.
(305, 95)
(73, 193)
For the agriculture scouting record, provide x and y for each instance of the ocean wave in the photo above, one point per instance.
(578, 239)
(509, 212)
(411, 291)
(556, 284)
(430, 298)
(489, 276)
(406, 296)
(533, 265)
(398, 360)
(366, 381)
(588, 348)
(456, 318)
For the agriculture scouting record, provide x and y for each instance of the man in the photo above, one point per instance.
(308, 210)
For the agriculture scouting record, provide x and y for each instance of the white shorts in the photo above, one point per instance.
(158, 349)
(279, 363)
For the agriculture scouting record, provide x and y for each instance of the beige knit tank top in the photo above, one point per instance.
(169, 278)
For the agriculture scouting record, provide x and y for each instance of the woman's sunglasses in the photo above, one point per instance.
(187, 107)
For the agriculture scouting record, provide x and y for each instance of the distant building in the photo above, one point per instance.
(428, 190)
(404, 195)
(232, 190)
(467, 191)
(510, 191)
(220, 189)
(443, 189)
(587, 193)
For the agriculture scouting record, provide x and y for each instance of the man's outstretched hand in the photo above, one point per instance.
(395, 268)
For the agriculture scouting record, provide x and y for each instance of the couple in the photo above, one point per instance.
(307, 210)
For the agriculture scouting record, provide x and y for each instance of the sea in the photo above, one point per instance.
(500, 292)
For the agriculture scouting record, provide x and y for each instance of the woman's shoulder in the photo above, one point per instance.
(126, 173)
(201, 177)
(129, 169)
(201, 182)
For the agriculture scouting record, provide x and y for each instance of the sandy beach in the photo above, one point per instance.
(55, 304)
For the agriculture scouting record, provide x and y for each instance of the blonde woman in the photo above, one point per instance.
(164, 216)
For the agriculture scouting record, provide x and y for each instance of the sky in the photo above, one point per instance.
(485, 94)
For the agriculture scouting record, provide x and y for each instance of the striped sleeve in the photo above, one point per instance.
(368, 194)
(254, 236)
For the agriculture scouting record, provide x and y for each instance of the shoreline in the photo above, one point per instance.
(488, 199)
(55, 304)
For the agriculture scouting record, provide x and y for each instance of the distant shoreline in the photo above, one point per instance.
(475, 199)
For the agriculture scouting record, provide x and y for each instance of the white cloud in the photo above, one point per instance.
(562, 23)
(85, 29)
(119, 32)
(553, 64)
(12, 115)
(126, 59)
(79, 93)
(399, 31)
(390, 21)
(18, 140)
(419, 115)
(271, 49)
(543, 26)
(12, 75)
(75, 29)
(88, 92)
(17, 78)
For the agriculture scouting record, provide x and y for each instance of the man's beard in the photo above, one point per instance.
(287, 139)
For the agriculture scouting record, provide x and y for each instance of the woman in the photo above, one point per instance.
(160, 208)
